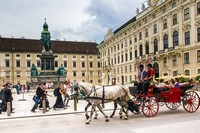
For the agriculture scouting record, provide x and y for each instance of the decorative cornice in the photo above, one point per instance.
(186, 27)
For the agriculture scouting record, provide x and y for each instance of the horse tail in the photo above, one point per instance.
(128, 94)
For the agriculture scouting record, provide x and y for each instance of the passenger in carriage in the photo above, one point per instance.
(176, 84)
(148, 78)
(142, 74)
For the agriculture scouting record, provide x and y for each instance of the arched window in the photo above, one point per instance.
(141, 50)
(175, 38)
(155, 45)
(147, 47)
(165, 41)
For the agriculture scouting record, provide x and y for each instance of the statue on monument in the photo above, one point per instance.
(46, 38)
(34, 71)
(61, 70)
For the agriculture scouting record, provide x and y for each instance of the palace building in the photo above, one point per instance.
(166, 33)
(80, 59)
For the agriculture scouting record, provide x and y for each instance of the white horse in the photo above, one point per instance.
(106, 94)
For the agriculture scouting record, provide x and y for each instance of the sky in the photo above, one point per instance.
(70, 20)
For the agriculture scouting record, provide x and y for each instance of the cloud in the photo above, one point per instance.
(81, 20)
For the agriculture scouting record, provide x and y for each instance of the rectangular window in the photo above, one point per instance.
(38, 63)
(187, 13)
(17, 63)
(91, 64)
(74, 64)
(187, 38)
(186, 58)
(18, 74)
(135, 39)
(99, 64)
(175, 73)
(83, 64)
(130, 55)
(74, 56)
(65, 63)
(74, 73)
(17, 55)
(174, 60)
(198, 8)
(56, 64)
(135, 53)
(155, 28)
(173, 4)
(198, 55)
(6, 55)
(165, 24)
(28, 55)
(130, 68)
(164, 61)
(146, 33)
(83, 74)
(175, 19)
(198, 34)
(7, 62)
(28, 63)
(140, 35)
(126, 70)
(82, 57)
(122, 58)
(122, 70)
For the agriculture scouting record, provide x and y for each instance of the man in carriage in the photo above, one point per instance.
(148, 78)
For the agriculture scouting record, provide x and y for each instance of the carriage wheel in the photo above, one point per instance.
(172, 105)
(191, 101)
(150, 107)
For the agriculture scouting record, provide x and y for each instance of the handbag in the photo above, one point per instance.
(36, 98)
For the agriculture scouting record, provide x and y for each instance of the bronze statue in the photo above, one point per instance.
(46, 37)
(61, 70)
(34, 71)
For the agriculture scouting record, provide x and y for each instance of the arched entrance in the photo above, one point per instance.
(156, 69)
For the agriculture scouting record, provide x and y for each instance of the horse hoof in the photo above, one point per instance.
(111, 116)
(125, 118)
(87, 123)
(107, 120)
(120, 117)
(95, 117)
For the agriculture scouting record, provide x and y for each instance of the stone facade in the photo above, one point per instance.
(166, 34)
(81, 64)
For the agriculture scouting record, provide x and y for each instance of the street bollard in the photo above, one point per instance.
(43, 106)
(8, 109)
(75, 102)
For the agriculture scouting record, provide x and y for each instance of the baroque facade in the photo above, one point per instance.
(166, 34)
(80, 59)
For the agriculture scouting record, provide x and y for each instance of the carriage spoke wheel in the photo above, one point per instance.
(172, 105)
(191, 101)
(150, 107)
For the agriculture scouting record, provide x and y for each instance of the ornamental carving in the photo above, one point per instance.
(186, 27)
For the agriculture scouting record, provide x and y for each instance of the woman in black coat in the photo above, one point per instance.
(59, 101)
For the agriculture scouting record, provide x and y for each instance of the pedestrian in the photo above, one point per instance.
(39, 95)
(59, 101)
(8, 96)
(67, 92)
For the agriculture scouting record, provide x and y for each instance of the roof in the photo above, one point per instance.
(126, 24)
(35, 46)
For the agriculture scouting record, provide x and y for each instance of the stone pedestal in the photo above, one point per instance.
(48, 74)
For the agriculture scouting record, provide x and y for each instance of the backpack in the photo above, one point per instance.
(2, 94)
(55, 92)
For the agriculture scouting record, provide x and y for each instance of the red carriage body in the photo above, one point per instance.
(171, 98)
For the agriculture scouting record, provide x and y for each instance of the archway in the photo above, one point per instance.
(156, 69)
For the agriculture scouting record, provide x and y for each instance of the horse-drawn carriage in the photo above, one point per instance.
(149, 104)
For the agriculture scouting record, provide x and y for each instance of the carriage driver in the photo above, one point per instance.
(142, 74)
(148, 78)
